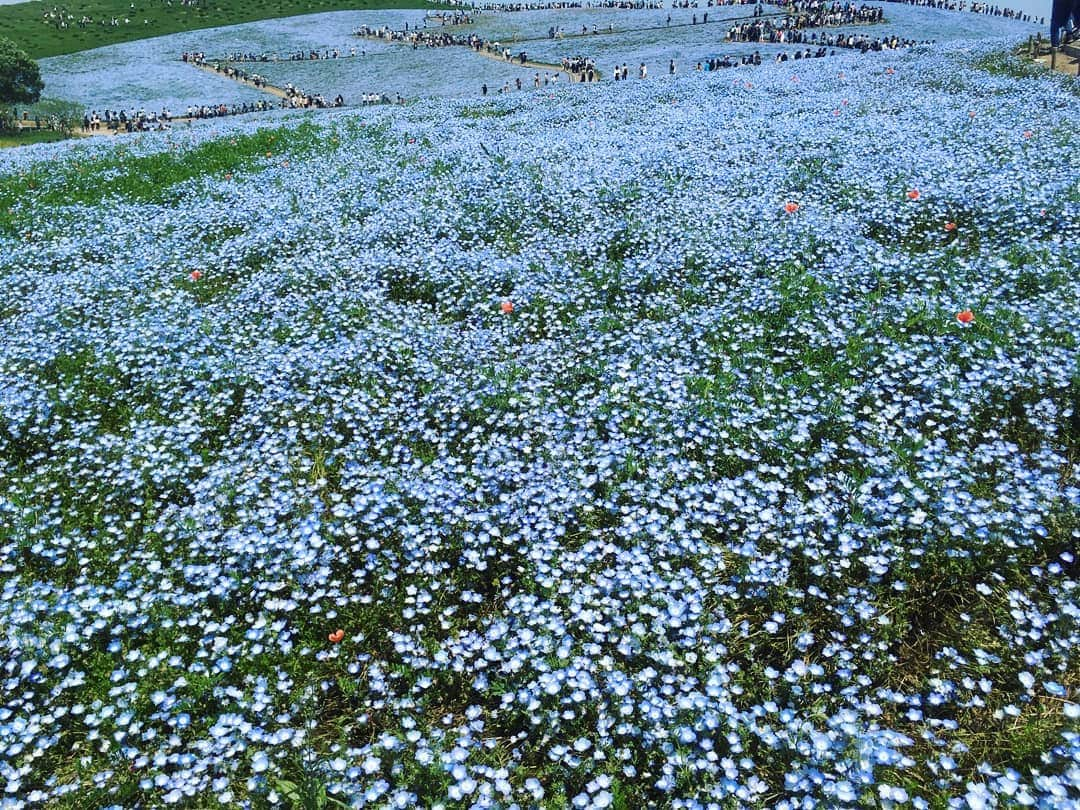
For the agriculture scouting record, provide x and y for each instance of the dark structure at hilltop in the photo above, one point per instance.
(1062, 14)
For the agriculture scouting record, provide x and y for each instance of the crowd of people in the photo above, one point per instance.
(720, 62)
(138, 120)
(587, 72)
(292, 97)
(791, 27)
(297, 99)
(368, 99)
(125, 121)
(451, 18)
(581, 68)
(424, 38)
(60, 18)
(558, 32)
(210, 111)
(864, 43)
(236, 74)
(421, 37)
(832, 12)
(559, 5)
(295, 56)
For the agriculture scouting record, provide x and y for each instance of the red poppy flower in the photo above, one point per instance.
(336, 636)
(228, 175)
(950, 226)
(791, 207)
(195, 275)
(913, 194)
(506, 307)
(965, 317)
(1028, 133)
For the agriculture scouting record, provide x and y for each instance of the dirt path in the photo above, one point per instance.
(528, 63)
(264, 88)
(1067, 62)
(483, 52)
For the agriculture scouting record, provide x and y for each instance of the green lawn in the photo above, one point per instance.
(25, 23)
(8, 139)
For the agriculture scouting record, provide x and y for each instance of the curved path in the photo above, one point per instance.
(272, 90)
(528, 63)
(482, 52)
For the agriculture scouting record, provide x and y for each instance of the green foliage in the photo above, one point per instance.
(20, 79)
(30, 136)
(1003, 63)
(486, 111)
(1019, 65)
(146, 178)
(41, 35)
(48, 115)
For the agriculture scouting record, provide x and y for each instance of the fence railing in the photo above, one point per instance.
(1038, 47)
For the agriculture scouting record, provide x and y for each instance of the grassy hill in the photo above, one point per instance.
(46, 29)
(707, 441)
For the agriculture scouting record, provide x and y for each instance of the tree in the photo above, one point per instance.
(20, 79)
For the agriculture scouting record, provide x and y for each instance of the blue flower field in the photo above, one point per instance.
(698, 442)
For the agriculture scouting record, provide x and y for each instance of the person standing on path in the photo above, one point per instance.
(642, 71)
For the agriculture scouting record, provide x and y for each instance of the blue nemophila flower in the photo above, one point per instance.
(675, 527)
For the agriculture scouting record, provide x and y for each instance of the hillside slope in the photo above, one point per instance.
(706, 440)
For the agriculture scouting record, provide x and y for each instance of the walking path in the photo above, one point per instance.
(270, 89)
(528, 63)
(279, 92)
(1068, 60)
(495, 55)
